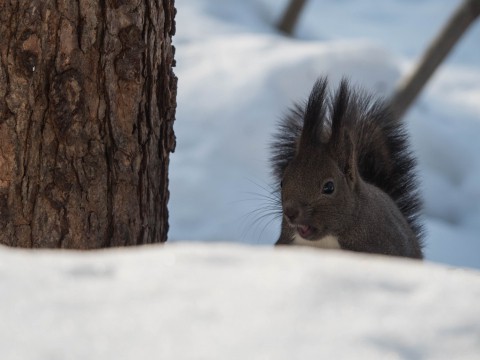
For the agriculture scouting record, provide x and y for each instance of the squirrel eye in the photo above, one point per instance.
(328, 188)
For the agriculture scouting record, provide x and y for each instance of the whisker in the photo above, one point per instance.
(255, 224)
(263, 216)
(278, 216)
(240, 201)
(267, 187)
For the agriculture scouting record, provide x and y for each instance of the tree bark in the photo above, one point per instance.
(87, 104)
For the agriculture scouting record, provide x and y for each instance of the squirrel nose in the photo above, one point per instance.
(291, 212)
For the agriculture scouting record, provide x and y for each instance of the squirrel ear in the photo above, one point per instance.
(346, 157)
(341, 141)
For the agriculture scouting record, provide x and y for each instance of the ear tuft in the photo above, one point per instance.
(314, 114)
(340, 108)
(346, 156)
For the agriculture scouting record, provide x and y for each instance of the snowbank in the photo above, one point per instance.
(193, 301)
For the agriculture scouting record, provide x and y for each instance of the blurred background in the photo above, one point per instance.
(238, 75)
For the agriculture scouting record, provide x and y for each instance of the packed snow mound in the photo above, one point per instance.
(197, 301)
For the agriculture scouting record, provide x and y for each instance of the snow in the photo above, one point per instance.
(211, 301)
(237, 76)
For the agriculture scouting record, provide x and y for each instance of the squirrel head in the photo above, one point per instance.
(319, 184)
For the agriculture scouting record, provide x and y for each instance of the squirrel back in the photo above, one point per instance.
(346, 175)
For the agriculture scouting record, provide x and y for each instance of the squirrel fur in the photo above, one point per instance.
(346, 176)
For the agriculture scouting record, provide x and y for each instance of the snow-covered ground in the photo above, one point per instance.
(193, 301)
(237, 76)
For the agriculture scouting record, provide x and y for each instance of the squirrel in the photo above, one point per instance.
(345, 175)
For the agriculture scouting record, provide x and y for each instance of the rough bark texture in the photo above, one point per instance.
(87, 103)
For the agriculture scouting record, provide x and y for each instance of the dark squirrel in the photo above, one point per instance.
(346, 175)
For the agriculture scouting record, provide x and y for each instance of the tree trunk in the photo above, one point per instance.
(87, 103)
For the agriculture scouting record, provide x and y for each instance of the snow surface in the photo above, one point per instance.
(237, 76)
(208, 301)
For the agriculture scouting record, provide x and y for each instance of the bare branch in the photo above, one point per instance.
(290, 16)
(410, 87)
